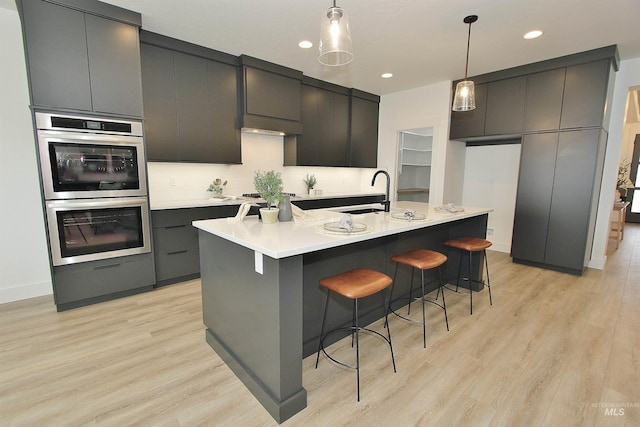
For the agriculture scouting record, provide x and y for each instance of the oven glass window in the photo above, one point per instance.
(91, 167)
(90, 231)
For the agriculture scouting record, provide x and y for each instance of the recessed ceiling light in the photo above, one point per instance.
(387, 75)
(533, 34)
(305, 44)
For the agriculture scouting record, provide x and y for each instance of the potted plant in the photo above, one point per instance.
(624, 182)
(269, 186)
(217, 187)
(310, 182)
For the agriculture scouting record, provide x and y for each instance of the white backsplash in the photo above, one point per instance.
(189, 181)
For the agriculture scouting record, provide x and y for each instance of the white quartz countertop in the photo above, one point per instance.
(237, 200)
(285, 239)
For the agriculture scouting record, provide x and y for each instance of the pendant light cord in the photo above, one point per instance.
(466, 65)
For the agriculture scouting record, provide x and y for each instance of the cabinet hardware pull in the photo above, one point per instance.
(176, 226)
(177, 252)
(107, 266)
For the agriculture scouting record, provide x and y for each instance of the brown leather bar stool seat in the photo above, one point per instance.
(472, 245)
(354, 284)
(423, 260)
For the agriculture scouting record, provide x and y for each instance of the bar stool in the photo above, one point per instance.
(422, 259)
(471, 245)
(354, 284)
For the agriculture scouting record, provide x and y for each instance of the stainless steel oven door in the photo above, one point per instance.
(87, 165)
(87, 230)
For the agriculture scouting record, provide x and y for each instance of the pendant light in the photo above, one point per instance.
(335, 38)
(465, 96)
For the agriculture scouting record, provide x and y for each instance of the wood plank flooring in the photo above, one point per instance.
(553, 350)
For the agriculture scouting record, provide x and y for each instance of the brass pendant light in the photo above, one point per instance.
(465, 97)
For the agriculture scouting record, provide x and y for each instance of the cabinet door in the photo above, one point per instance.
(364, 133)
(533, 200)
(585, 92)
(195, 128)
(333, 123)
(223, 100)
(57, 53)
(271, 95)
(543, 103)
(306, 144)
(573, 183)
(467, 124)
(114, 66)
(505, 106)
(159, 91)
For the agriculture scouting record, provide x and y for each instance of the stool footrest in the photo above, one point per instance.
(352, 329)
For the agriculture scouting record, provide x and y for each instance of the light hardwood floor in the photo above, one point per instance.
(553, 350)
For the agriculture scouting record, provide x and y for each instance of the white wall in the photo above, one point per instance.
(426, 106)
(627, 77)
(491, 180)
(24, 262)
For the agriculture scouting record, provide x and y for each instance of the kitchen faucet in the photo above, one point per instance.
(387, 201)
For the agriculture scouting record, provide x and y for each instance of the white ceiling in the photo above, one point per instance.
(419, 41)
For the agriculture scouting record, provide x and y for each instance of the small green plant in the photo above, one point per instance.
(269, 186)
(310, 181)
(217, 186)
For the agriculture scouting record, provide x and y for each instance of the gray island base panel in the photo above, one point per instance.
(263, 312)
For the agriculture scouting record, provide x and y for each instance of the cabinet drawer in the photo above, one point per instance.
(177, 264)
(175, 217)
(177, 238)
(78, 282)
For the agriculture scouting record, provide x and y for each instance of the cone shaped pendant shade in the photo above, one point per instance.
(465, 97)
(335, 38)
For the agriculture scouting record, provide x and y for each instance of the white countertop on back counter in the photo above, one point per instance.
(286, 239)
(237, 200)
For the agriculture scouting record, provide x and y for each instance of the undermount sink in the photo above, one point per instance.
(363, 211)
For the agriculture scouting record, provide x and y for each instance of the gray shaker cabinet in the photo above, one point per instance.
(191, 104)
(81, 61)
(557, 196)
(325, 117)
(364, 129)
(543, 104)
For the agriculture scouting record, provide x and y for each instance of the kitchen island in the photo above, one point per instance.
(262, 305)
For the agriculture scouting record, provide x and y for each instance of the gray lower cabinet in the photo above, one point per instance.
(175, 241)
(76, 285)
(556, 202)
(191, 102)
(82, 60)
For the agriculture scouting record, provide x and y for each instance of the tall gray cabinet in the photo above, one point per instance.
(558, 109)
(83, 56)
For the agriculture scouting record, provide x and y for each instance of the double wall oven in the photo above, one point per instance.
(95, 187)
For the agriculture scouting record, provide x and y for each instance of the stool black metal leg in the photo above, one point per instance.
(424, 316)
(324, 317)
(470, 282)
(393, 284)
(410, 291)
(386, 322)
(355, 301)
(486, 264)
(459, 271)
(444, 303)
(354, 320)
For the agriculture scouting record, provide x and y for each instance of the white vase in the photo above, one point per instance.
(269, 216)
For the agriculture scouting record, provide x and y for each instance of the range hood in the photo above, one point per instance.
(270, 101)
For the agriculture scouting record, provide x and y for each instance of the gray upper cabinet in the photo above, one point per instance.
(80, 60)
(191, 105)
(325, 117)
(364, 129)
(466, 124)
(505, 106)
(270, 97)
(585, 92)
(114, 66)
(543, 104)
